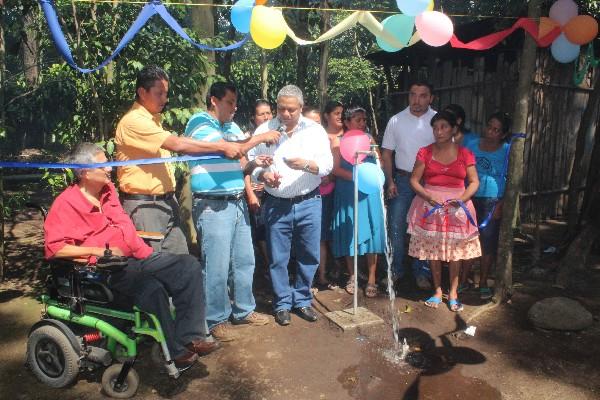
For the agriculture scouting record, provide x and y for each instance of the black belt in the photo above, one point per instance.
(296, 199)
(147, 197)
(402, 172)
(225, 197)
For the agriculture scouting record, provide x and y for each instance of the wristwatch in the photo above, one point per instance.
(306, 167)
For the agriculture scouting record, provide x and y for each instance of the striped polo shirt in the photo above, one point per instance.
(219, 176)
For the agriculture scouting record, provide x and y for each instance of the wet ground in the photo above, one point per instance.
(506, 359)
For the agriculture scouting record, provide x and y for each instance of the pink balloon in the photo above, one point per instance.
(434, 27)
(324, 190)
(563, 10)
(354, 141)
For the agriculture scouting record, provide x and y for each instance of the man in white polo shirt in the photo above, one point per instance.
(292, 203)
(405, 134)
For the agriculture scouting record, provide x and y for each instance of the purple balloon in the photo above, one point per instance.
(563, 10)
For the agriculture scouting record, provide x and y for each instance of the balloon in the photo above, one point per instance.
(563, 10)
(546, 26)
(261, 2)
(400, 26)
(241, 12)
(564, 51)
(354, 141)
(430, 6)
(435, 28)
(324, 190)
(412, 7)
(267, 27)
(370, 178)
(581, 29)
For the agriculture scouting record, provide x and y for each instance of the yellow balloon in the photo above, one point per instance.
(430, 6)
(267, 27)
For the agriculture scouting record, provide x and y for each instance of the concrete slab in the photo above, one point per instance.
(346, 319)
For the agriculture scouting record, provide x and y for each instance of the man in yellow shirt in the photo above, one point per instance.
(147, 191)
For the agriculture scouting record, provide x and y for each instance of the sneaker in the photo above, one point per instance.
(254, 318)
(223, 333)
(423, 283)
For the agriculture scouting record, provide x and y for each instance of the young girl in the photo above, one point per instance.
(491, 154)
(441, 218)
(371, 227)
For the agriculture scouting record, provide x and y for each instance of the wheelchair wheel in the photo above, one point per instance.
(130, 386)
(51, 357)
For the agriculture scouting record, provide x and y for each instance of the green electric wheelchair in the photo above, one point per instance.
(85, 326)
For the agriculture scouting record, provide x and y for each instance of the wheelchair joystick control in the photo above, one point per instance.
(107, 251)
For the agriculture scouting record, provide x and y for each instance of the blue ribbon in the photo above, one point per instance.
(446, 204)
(147, 12)
(143, 161)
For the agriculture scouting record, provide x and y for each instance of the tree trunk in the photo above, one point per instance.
(30, 46)
(264, 75)
(324, 55)
(302, 52)
(2, 133)
(578, 168)
(203, 23)
(503, 287)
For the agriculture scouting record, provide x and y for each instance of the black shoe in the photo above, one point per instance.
(307, 313)
(283, 317)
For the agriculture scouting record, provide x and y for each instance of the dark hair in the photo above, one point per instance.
(309, 109)
(261, 102)
(329, 107)
(148, 75)
(446, 116)
(458, 112)
(349, 112)
(219, 90)
(422, 83)
(504, 119)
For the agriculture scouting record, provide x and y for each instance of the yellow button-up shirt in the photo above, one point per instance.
(140, 135)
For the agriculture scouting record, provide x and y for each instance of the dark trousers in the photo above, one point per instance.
(151, 281)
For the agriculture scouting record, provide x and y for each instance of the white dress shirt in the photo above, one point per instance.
(308, 141)
(406, 134)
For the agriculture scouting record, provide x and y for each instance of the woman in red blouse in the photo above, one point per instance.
(441, 218)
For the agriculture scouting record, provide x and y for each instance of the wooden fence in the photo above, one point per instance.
(486, 84)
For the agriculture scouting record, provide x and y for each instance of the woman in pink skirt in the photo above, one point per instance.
(441, 219)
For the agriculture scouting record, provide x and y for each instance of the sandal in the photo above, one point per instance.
(485, 293)
(350, 286)
(463, 287)
(371, 290)
(433, 302)
(454, 305)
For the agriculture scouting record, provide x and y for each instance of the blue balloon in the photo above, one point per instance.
(370, 178)
(399, 26)
(241, 13)
(564, 51)
(412, 7)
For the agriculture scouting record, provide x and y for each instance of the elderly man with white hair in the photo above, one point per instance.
(292, 204)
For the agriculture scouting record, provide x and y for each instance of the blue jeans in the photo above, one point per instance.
(226, 258)
(299, 224)
(397, 226)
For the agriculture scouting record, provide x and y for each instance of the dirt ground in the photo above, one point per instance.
(506, 359)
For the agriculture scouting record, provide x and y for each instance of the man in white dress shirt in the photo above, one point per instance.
(292, 204)
(405, 134)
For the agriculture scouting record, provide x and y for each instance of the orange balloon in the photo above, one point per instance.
(581, 29)
(261, 2)
(546, 26)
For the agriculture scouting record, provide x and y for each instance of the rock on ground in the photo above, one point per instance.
(560, 313)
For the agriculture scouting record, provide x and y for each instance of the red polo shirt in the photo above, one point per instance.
(74, 220)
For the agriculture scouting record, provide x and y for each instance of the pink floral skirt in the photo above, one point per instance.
(446, 234)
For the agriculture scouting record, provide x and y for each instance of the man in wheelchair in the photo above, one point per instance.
(87, 222)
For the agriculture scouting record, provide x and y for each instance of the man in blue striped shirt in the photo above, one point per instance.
(221, 216)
